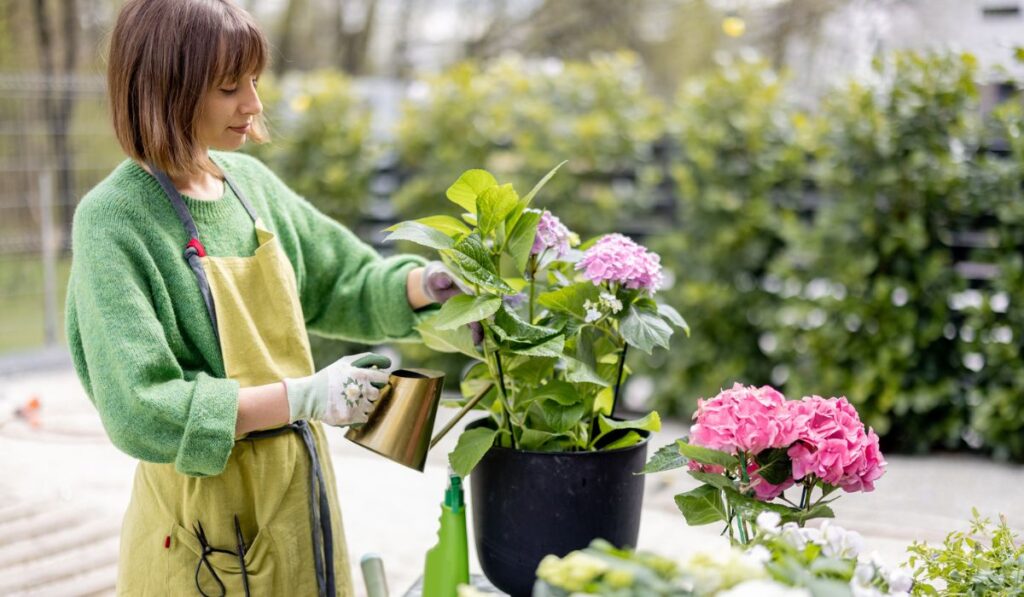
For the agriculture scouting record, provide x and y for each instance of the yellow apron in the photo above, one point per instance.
(269, 524)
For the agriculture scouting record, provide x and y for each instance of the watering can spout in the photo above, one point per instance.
(399, 427)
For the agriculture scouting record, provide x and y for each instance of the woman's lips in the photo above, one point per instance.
(241, 130)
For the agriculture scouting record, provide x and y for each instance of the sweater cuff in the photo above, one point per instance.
(209, 434)
(397, 318)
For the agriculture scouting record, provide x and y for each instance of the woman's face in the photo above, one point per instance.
(227, 112)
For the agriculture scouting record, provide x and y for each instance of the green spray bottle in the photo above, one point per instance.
(448, 561)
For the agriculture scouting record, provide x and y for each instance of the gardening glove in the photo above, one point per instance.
(343, 393)
(439, 284)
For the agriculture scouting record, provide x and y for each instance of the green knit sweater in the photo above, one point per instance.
(140, 337)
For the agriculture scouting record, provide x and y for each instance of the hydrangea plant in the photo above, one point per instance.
(748, 445)
(557, 319)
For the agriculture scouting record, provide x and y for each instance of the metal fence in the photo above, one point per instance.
(44, 168)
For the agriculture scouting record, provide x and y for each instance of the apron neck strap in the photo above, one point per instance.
(194, 249)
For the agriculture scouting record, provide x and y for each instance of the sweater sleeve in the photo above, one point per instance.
(347, 289)
(151, 408)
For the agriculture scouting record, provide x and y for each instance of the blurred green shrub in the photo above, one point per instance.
(320, 141)
(516, 118)
(991, 334)
(886, 308)
(739, 166)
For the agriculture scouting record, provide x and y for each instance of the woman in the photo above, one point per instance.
(196, 275)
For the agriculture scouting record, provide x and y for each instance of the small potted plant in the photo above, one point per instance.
(552, 469)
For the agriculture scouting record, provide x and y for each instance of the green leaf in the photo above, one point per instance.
(457, 340)
(528, 370)
(520, 240)
(713, 479)
(570, 298)
(802, 516)
(751, 507)
(512, 330)
(444, 224)
(493, 205)
(603, 400)
(673, 316)
(644, 330)
(630, 439)
(535, 439)
(463, 308)
(470, 449)
(650, 422)
(706, 455)
(468, 187)
(774, 466)
(579, 372)
(665, 459)
(557, 391)
(701, 506)
(540, 184)
(561, 418)
(420, 234)
(473, 262)
(550, 348)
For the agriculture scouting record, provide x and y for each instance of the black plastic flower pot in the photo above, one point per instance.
(526, 505)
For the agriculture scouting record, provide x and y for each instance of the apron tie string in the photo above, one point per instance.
(319, 507)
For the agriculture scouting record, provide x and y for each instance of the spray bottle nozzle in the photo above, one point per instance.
(453, 495)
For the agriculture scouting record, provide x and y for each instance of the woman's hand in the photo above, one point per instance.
(439, 284)
(344, 393)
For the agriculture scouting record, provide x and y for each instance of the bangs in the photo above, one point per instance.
(243, 50)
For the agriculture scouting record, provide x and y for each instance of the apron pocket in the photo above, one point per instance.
(186, 556)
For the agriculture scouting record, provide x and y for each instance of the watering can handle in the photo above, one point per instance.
(458, 416)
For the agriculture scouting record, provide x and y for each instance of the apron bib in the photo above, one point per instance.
(269, 524)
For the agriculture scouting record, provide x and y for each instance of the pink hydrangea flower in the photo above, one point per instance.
(744, 419)
(616, 258)
(833, 444)
(763, 490)
(551, 235)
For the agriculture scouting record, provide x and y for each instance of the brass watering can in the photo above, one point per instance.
(399, 427)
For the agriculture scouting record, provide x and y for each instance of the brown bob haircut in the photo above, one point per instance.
(164, 56)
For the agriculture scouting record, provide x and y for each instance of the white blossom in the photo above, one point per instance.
(769, 521)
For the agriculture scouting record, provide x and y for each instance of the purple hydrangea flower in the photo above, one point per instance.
(551, 234)
(616, 258)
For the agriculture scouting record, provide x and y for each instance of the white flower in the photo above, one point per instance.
(608, 301)
(352, 391)
(760, 553)
(791, 532)
(769, 521)
(840, 543)
(864, 573)
(717, 569)
(764, 588)
(859, 591)
(592, 313)
(899, 581)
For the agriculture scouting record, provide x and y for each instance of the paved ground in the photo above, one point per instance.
(63, 488)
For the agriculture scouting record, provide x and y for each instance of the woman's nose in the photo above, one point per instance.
(252, 105)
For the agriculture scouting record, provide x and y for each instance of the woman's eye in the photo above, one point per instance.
(229, 90)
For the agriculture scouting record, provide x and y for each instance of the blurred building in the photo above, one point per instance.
(852, 36)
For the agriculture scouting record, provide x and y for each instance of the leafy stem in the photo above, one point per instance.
(532, 268)
(740, 523)
(501, 379)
